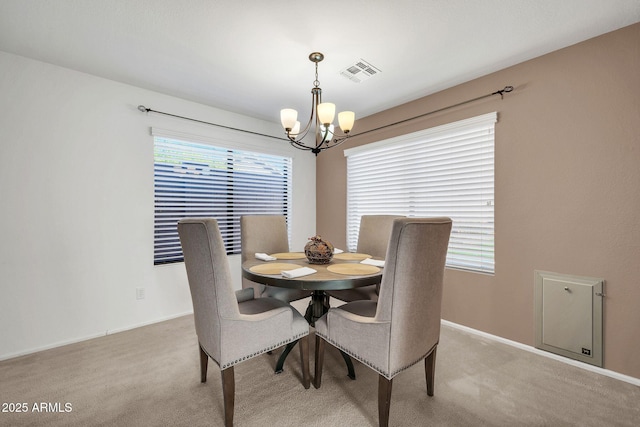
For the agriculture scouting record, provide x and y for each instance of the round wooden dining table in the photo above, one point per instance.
(344, 271)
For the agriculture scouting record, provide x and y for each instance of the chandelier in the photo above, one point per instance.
(321, 119)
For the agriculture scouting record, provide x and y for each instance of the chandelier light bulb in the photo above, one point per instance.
(296, 129)
(346, 120)
(326, 112)
(327, 133)
(288, 117)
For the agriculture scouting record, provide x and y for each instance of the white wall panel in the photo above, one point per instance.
(76, 185)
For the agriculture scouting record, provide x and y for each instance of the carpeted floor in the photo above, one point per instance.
(150, 377)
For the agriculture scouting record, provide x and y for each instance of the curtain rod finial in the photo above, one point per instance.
(506, 89)
(143, 108)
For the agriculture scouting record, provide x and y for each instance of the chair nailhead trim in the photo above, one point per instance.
(264, 350)
(382, 372)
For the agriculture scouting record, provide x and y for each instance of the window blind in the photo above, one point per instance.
(201, 180)
(443, 171)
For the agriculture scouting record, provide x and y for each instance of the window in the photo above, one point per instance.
(442, 171)
(200, 180)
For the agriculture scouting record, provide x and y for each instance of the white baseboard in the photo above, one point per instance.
(89, 337)
(151, 322)
(572, 362)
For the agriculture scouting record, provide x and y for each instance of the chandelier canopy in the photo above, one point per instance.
(322, 115)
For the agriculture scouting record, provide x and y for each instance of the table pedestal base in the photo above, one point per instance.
(318, 306)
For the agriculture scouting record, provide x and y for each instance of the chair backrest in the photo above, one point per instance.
(373, 237)
(263, 233)
(212, 293)
(411, 288)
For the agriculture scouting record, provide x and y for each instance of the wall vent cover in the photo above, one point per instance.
(360, 71)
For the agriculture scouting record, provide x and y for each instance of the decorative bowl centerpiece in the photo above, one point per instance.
(318, 251)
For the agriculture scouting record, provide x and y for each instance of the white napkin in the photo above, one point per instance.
(265, 257)
(337, 251)
(369, 261)
(297, 272)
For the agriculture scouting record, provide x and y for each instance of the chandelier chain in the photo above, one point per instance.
(316, 82)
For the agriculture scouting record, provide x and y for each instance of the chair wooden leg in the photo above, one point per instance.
(228, 393)
(384, 400)
(304, 359)
(319, 359)
(430, 370)
(204, 363)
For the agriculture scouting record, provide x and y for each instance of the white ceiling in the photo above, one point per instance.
(251, 56)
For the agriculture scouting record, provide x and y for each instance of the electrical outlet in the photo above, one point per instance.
(139, 293)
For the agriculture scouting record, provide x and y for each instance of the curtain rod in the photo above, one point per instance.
(501, 92)
(149, 110)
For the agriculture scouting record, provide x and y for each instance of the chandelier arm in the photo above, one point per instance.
(306, 128)
(308, 125)
(303, 132)
(300, 135)
(299, 143)
(296, 144)
(316, 98)
(323, 140)
(333, 143)
(342, 134)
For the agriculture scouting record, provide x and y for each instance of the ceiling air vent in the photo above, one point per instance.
(360, 71)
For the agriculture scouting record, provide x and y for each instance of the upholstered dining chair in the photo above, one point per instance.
(266, 234)
(373, 238)
(403, 326)
(232, 326)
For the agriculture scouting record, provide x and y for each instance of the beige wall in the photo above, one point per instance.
(567, 186)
